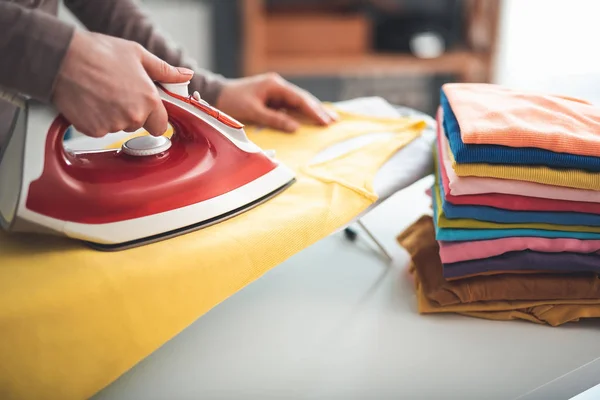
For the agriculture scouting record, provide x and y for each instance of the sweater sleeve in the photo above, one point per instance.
(125, 19)
(32, 47)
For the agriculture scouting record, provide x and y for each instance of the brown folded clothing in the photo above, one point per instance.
(419, 241)
(553, 313)
(485, 298)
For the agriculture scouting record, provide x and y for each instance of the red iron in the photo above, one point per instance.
(149, 190)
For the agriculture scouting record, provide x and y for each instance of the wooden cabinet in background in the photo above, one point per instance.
(317, 34)
(325, 43)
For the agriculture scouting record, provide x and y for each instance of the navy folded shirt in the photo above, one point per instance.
(526, 261)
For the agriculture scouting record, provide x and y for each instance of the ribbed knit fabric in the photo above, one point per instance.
(454, 252)
(470, 223)
(472, 185)
(493, 154)
(491, 114)
(538, 174)
(492, 214)
(507, 201)
(461, 234)
(525, 261)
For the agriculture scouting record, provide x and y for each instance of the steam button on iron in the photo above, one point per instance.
(146, 146)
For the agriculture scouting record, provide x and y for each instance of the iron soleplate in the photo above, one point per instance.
(189, 228)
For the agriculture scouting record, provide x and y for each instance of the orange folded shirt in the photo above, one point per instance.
(492, 114)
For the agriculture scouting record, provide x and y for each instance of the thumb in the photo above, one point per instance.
(275, 119)
(161, 71)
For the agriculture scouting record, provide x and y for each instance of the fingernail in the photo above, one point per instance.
(185, 71)
(326, 118)
(334, 116)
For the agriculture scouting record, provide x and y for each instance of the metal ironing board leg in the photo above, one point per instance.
(351, 234)
(377, 243)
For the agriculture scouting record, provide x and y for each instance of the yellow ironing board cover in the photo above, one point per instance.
(72, 319)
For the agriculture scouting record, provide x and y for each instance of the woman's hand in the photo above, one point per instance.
(106, 85)
(260, 98)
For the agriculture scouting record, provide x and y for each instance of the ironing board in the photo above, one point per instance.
(334, 322)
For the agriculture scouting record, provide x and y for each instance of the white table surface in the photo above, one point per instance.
(336, 322)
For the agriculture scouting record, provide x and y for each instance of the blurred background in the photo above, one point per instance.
(401, 50)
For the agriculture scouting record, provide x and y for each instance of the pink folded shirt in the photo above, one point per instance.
(452, 252)
(467, 185)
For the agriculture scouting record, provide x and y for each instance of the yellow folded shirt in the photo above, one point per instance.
(73, 319)
(572, 178)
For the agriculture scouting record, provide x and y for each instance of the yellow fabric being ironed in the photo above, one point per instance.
(73, 319)
(572, 178)
(467, 223)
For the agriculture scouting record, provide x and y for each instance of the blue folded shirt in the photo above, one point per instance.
(494, 154)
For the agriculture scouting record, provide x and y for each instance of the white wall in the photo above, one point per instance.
(550, 45)
(188, 23)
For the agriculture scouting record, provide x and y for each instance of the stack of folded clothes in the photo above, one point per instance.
(516, 225)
